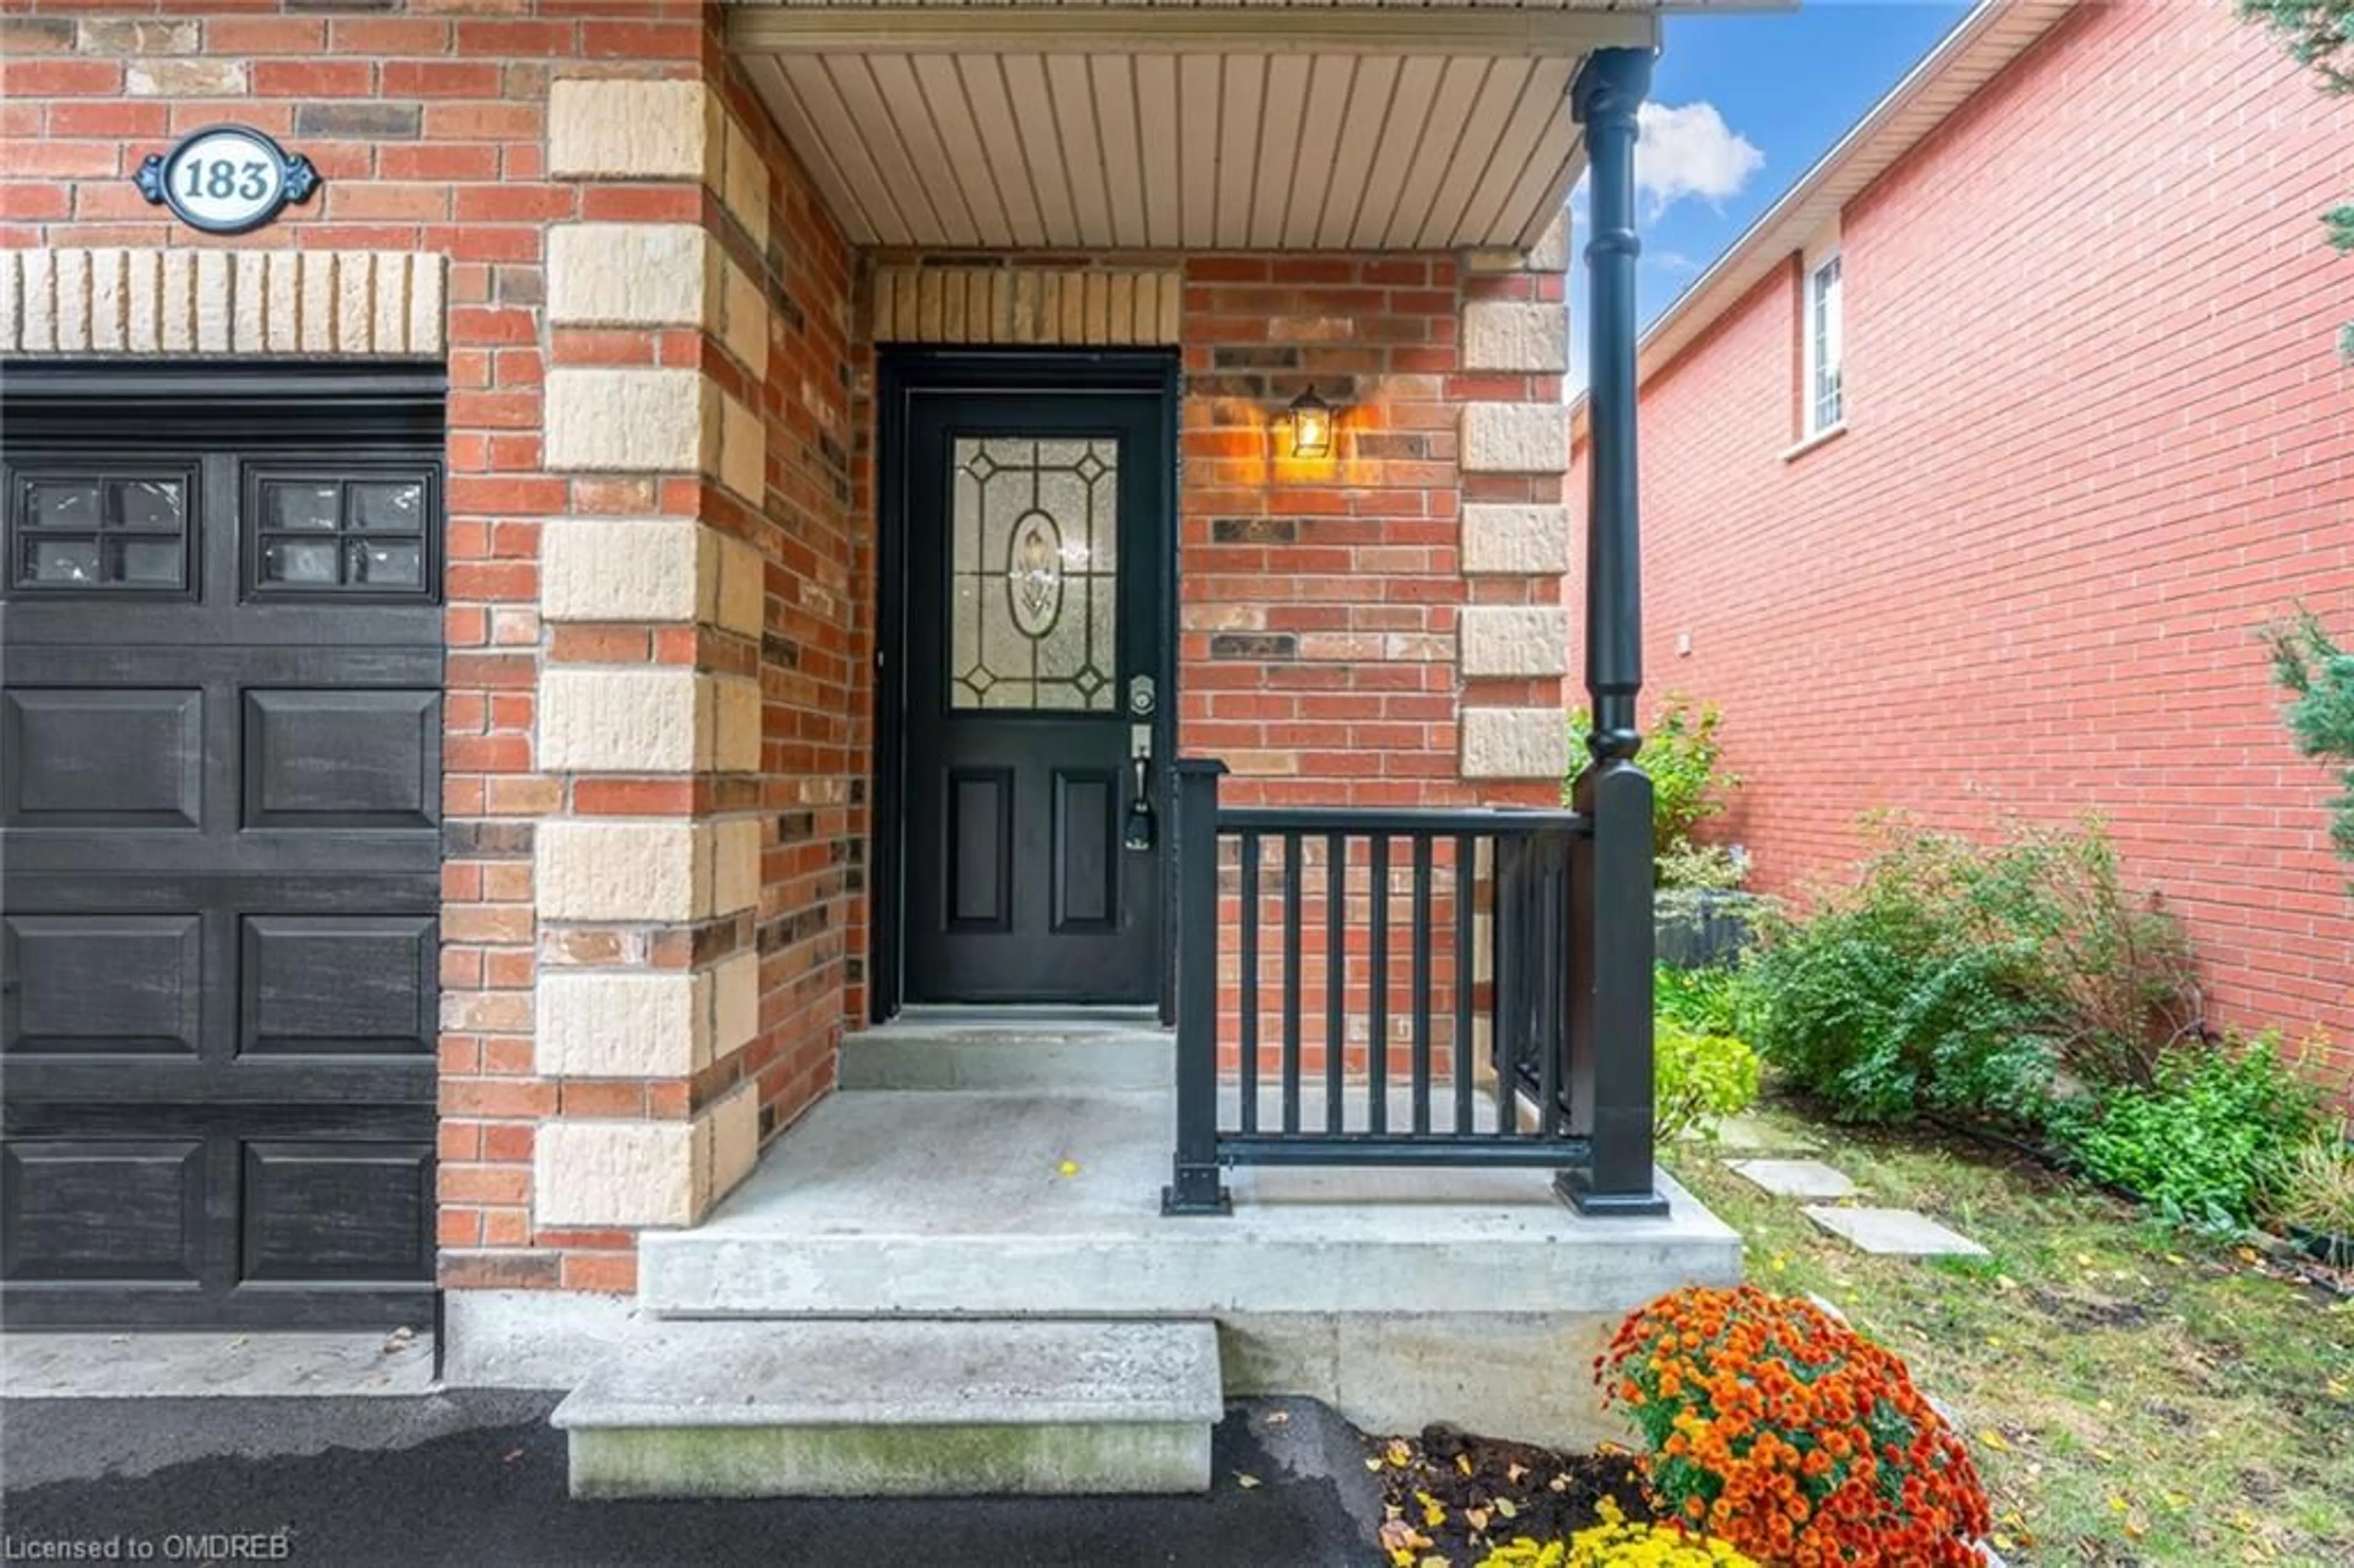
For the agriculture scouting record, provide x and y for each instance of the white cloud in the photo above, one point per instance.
(1688, 150)
(1671, 262)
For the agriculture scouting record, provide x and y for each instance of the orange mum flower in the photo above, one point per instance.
(1796, 1439)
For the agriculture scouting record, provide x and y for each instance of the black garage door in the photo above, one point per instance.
(220, 739)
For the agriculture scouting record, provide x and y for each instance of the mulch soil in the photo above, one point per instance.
(1448, 1494)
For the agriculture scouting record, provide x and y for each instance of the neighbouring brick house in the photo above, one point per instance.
(462, 634)
(2079, 435)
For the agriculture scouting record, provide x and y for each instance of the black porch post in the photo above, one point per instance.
(1195, 1187)
(1611, 928)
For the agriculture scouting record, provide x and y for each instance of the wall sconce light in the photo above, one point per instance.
(1311, 426)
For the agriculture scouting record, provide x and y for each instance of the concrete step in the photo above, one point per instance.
(970, 1048)
(901, 1407)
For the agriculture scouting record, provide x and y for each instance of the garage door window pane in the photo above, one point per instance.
(50, 503)
(384, 566)
(300, 505)
(149, 505)
(70, 563)
(149, 563)
(307, 563)
(389, 508)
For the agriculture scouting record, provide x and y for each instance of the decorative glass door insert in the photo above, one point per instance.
(1034, 574)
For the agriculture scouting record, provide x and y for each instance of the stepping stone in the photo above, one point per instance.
(1750, 1135)
(1893, 1232)
(1794, 1177)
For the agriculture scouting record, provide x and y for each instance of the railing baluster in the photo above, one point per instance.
(1377, 1023)
(1250, 983)
(1421, 983)
(1293, 852)
(1511, 909)
(1336, 966)
(1467, 859)
(1550, 954)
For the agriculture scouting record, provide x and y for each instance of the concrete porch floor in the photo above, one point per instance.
(1399, 1296)
(955, 1202)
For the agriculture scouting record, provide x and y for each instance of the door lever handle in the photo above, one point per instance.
(1138, 832)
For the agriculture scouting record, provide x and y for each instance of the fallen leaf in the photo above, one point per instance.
(1516, 1474)
(1477, 1518)
(1995, 1441)
(1463, 1464)
(1067, 1167)
(1506, 1507)
(1245, 1480)
(1278, 1417)
(1372, 1464)
(1558, 1484)
(1399, 1454)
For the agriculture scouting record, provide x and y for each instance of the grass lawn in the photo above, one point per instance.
(2133, 1394)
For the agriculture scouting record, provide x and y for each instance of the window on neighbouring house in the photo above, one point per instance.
(1823, 401)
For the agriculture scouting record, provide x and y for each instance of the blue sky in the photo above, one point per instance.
(1742, 105)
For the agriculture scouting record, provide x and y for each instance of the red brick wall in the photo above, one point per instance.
(431, 130)
(1320, 598)
(816, 657)
(2098, 437)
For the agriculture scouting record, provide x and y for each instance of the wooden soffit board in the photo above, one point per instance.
(1240, 127)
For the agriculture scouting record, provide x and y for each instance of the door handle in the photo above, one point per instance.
(1138, 832)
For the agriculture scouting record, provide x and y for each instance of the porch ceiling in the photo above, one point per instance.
(1253, 125)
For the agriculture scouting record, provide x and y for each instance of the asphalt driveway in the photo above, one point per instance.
(477, 1478)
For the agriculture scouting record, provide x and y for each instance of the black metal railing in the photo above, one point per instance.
(1372, 1061)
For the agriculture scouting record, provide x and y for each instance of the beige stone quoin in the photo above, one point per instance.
(1531, 541)
(648, 879)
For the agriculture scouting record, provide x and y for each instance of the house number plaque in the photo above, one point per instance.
(225, 179)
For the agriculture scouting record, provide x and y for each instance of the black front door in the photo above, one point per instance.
(1036, 583)
(220, 773)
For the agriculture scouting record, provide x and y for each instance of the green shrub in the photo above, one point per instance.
(2209, 1141)
(1698, 1078)
(1681, 756)
(1704, 1001)
(1962, 978)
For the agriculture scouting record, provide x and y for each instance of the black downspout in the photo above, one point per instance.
(1610, 1087)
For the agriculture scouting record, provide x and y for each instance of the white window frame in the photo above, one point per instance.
(1823, 398)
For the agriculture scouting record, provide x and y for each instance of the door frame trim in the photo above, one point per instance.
(900, 373)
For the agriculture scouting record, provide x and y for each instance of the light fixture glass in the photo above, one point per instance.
(1311, 426)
